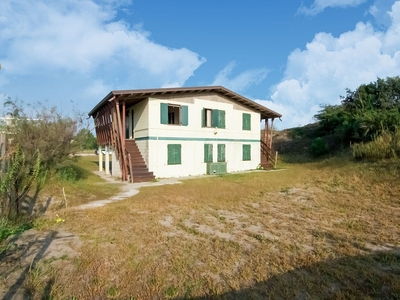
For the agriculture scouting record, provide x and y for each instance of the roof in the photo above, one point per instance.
(139, 95)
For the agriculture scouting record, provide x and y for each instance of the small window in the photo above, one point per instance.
(246, 122)
(207, 117)
(173, 114)
(221, 152)
(174, 154)
(246, 152)
(213, 118)
(208, 153)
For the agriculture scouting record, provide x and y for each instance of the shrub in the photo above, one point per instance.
(8, 228)
(297, 132)
(384, 145)
(70, 173)
(318, 147)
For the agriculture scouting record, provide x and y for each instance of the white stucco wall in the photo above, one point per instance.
(194, 136)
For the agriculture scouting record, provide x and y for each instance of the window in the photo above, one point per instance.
(246, 151)
(208, 153)
(213, 118)
(246, 122)
(207, 120)
(174, 114)
(174, 154)
(221, 152)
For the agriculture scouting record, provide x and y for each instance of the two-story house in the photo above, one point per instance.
(172, 132)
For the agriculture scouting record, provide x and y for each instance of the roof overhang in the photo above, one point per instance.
(135, 96)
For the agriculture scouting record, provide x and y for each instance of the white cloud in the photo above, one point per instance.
(291, 117)
(320, 73)
(319, 6)
(380, 11)
(240, 82)
(70, 38)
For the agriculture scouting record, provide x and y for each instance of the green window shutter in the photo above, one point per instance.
(221, 119)
(178, 154)
(221, 152)
(174, 154)
(246, 152)
(184, 115)
(163, 113)
(208, 153)
(246, 122)
(215, 117)
(203, 117)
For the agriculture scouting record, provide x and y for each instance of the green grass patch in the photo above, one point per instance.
(8, 228)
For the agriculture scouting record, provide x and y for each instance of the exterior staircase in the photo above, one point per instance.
(267, 156)
(139, 169)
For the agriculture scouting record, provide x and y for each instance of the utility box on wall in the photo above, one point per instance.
(216, 168)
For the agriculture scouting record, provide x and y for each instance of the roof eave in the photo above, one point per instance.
(101, 103)
(264, 111)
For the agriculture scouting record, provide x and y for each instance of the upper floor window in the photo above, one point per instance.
(207, 117)
(213, 118)
(246, 121)
(174, 114)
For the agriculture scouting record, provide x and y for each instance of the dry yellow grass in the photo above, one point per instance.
(316, 230)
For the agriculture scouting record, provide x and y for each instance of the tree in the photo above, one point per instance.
(365, 112)
(86, 139)
(38, 144)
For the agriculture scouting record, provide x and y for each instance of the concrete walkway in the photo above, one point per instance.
(127, 189)
(131, 189)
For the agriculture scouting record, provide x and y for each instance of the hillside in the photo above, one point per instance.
(298, 140)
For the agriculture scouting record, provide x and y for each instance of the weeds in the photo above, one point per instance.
(308, 234)
(8, 228)
(383, 146)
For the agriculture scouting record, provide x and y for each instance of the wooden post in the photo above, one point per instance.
(266, 131)
(123, 121)
(107, 160)
(123, 137)
(121, 133)
(276, 159)
(272, 128)
(100, 159)
(130, 166)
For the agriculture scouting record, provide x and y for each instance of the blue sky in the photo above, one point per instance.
(291, 56)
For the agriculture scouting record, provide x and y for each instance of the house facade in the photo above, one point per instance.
(175, 132)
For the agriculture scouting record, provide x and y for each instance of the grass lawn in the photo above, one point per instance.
(328, 229)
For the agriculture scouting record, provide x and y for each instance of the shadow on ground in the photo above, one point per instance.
(23, 253)
(373, 276)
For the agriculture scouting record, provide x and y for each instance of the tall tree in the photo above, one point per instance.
(364, 112)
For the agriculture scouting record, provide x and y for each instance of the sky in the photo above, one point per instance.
(290, 56)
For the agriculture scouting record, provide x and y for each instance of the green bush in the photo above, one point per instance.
(297, 133)
(8, 228)
(318, 147)
(383, 146)
(70, 173)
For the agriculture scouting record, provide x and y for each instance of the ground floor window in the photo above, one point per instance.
(174, 154)
(246, 151)
(208, 153)
(221, 152)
